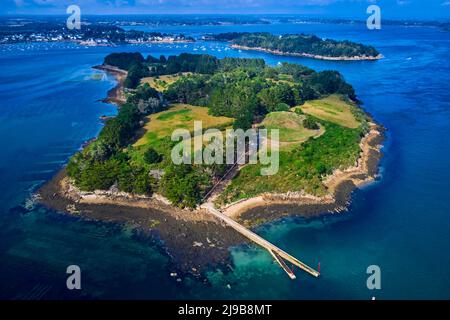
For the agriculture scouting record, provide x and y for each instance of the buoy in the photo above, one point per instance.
(318, 267)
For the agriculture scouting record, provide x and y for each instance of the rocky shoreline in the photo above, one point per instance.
(116, 94)
(307, 55)
(193, 241)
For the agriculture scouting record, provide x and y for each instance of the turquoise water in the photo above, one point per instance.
(49, 107)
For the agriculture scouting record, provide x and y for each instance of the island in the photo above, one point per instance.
(309, 46)
(328, 146)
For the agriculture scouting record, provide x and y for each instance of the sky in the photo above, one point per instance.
(391, 9)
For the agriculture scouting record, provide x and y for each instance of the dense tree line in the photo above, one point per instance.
(138, 67)
(229, 64)
(124, 60)
(91, 174)
(132, 62)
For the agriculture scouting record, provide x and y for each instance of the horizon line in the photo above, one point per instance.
(310, 15)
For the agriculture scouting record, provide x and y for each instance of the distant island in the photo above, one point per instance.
(328, 146)
(309, 46)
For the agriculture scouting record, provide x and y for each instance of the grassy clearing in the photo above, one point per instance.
(161, 83)
(172, 114)
(283, 78)
(180, 116)
(333, 109)
(159, 128)
(290, 126)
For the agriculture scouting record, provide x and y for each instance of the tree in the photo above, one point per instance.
(151, 156)
(295, 70)
(111, 134)
(183, 185)
(283, 93)
(135, 73)
(299, 111)
(329, 82)
(244, 121)
(99, 175)
(271, 73)
(304, 92)
(276, 94)
(282, 107)
(98, 150)
(141, 182)
(134, 180)
(143, 92)
(309, 123)
(124, 60)
(188, 89)
(229, 64)
(151, 59)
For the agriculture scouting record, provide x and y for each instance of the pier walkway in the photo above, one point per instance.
(276, 252)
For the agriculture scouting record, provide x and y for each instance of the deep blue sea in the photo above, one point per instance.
(49, 105)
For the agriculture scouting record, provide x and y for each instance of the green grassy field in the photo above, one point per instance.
(333, 109)
(159, 127)
(161, 83)
(283, 78)
(180, 116)
(290, 126)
